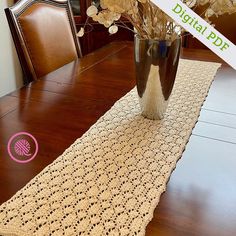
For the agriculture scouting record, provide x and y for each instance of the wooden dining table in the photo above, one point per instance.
(60, 107)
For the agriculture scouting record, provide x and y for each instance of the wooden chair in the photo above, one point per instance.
(44, 34)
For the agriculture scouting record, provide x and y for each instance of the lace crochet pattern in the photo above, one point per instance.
(111, 179)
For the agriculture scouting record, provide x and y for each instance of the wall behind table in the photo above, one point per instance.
(225, 24)
(10, 71)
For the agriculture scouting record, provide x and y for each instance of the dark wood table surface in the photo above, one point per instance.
(60, 107)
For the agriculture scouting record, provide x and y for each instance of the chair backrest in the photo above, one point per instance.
(44, 34)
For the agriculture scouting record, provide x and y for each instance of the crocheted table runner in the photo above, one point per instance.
(111, 179)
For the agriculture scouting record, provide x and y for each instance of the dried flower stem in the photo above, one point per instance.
(149, 21)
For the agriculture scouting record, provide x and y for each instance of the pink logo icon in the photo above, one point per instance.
(22, 147)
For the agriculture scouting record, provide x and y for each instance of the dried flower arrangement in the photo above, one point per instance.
(148, 20)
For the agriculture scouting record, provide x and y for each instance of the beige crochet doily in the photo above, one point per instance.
(111, 179)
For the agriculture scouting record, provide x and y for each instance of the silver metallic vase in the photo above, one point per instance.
(156, 65)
